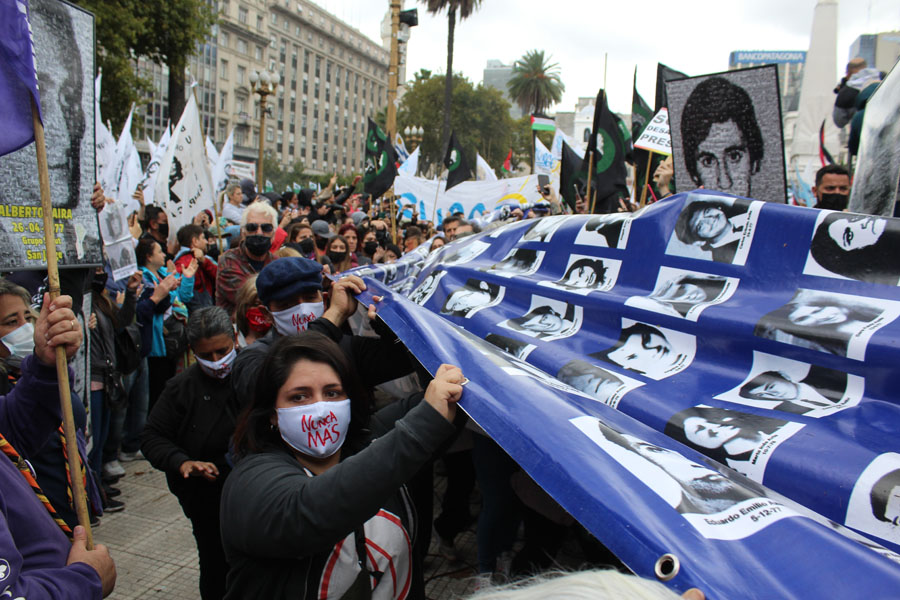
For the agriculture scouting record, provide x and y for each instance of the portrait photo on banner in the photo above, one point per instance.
(462, 251)
(476, 295)
(828, 322)
(585, 274)
(547, 319)
(685, 294)
(727, 133)
(743, 441)
(596, 382)
(542, 229)
(513, 347)
(874, 506)
(790, 386)
(716, 228)
(652, 351)
(64, 57)
(718, 506)
(606, 231)
(851, 246)
(518, 262)
(426, 288)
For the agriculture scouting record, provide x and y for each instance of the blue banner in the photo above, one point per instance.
(708, 385)
(18, 77)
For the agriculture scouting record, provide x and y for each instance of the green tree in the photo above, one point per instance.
(465, 8)
(535, 84)
(281, 178)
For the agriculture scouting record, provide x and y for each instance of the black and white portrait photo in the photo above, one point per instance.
(597, 382)
(827, 322)
(715, 228)
(462, 251)
(471, 298)
(585, 274)
(790, 386)
(652, 351)
(740, 440)
(122, 260)
(874, 506)
(425, 290)
(851, 246)
(511, 346)
(718, 506)
(685, 294)
(541, 230)
(547, 319)
(606, 231)
(519, 261)
(727, 133)
(64, 55)
(113, 223)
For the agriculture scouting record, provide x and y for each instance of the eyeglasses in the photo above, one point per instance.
(265, 227)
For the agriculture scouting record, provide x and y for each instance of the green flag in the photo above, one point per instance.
(457, 166)
(606, 151)
(381, 164)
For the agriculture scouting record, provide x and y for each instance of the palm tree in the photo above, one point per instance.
(535, 85)
(465, 8)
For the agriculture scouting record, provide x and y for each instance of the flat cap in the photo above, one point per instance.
(288, 277)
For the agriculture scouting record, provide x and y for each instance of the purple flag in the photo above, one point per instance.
(18, 76)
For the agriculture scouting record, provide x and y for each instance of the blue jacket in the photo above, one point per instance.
(178, 298)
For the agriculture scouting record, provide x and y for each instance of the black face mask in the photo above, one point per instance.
(321, 243)
(307, 246)
(164, 229)
(370, 247)
(833, 201)
(337, 257)
(99, 281)
(257, 245)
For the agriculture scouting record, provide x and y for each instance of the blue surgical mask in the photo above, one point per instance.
(20, 341)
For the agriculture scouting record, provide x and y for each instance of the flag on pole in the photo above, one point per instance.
(664, 74)
(410, 165)
(640, 111)
(556, 146)
(400, 150)
(223, 164)
(212, 155)
(507, 164)
(608, 149)
(381, 163)
(126, 174)
(483, 170)
(104, 142)
(542, 123)
(572, 175)
(457, 166)
(824, 154)
(159, 153)
(18, 77)
(269, 186)
(544, 163)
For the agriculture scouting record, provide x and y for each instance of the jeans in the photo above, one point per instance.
(127, 423)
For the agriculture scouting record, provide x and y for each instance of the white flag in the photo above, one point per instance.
(104, 142)
(544, 162)
(148, 183)
(556, 147)
(183, 184)
(212, 155)
(411, 164)
(483, 171)
(128, 173)
(220, 172)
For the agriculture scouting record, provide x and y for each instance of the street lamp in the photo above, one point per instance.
(414, 135)
(263, 83)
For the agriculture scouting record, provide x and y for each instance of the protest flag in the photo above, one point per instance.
(664, 74)
(104, 142)
(223, 164)
(156, 158)
(824, 154)
(605, 156)
(507, 164)
(542, 123)
(457, 166)
(483, 169)
(381, 163)
(411, 164)
(572, 175)
(640, 111)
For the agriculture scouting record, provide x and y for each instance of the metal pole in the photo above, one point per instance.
(260, 182)
(394, 71)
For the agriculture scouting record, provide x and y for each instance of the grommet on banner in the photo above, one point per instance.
(464, 381)
(666, 567)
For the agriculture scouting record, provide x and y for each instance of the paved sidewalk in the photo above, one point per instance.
(156, 556)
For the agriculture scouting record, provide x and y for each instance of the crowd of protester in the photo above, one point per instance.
(227, 360)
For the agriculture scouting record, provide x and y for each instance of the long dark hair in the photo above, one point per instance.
(875, 263)
(254, 432)
(750, 425)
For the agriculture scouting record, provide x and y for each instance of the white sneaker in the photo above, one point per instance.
(113, 469)
(130, 456)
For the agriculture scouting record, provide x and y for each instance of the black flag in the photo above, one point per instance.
(640, 111)
(664, 74)
(607, 147)
(572, 175)
(457, 166)
(381, 163)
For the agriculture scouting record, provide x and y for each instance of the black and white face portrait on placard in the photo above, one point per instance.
(585, 274)
(606, 231)
(874, 506)
(838, 324)
(64, 57)
(113, 223)
(655, 352)
(726, 133)
(603, 385)
(850, 246)
(790, 386)
(462, 252)
(714, 228)
(516, 348)
(542, 230)
(743, 441)
(719, 507)
(685, 294)
(471, 298)
(519, 261)
(426, 289)
(547, 319)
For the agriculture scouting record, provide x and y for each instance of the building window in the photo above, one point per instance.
(224, 72)
(241, 75)
(243, 15)
(259, 22)
(224, 39)
(223, 101)
(225, 7)
(270, 134)
(242, 46)
(274, 18)
(239, 106)
(259, 53)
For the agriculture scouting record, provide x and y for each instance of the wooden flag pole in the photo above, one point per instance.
(62, 367)
(646, 179)
(590, 172)
(215, 204)
(434, 208)
(393, 217)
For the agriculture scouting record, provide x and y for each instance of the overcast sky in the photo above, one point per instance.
(694, 36)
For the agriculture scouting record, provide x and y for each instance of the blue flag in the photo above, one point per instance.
(18, 76)
(708, 385)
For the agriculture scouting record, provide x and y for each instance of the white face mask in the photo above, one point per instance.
(20, 341)
(318, 429)
(297, 318)
(219, 369)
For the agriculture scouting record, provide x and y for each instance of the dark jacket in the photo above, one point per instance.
(103, 337)
(193, 419)
(282, 527)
